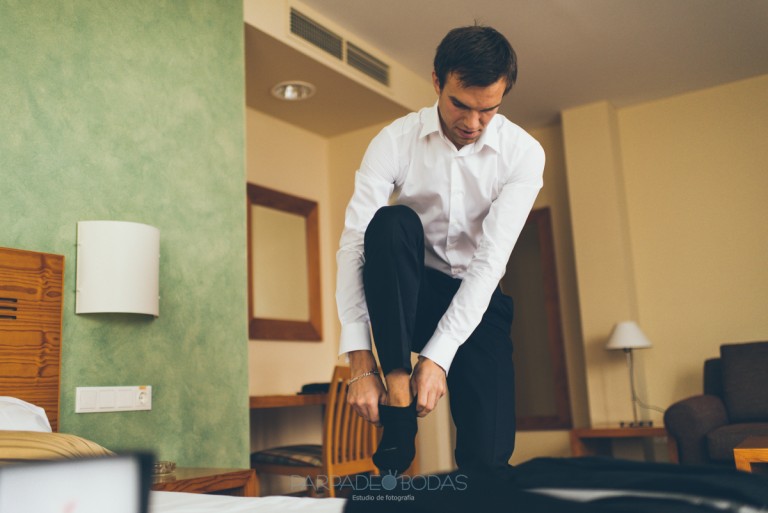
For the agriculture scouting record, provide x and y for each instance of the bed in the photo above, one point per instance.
(30, 342)
(180, 502)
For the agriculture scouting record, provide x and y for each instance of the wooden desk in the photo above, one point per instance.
(284, 401)
(597, 441)
(752, 450)
(229, 481)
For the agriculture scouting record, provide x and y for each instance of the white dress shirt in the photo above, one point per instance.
(472, 202)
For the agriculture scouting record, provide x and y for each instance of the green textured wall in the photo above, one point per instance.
(134, 111)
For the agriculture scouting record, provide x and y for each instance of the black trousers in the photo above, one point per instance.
(406, 300)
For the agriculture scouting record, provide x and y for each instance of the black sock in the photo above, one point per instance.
(397, 447)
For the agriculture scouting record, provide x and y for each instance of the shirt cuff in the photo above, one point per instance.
(441, 350)
(355, 336)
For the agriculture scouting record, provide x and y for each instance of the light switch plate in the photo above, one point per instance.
(111, 399)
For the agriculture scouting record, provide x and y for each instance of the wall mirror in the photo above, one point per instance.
(541, 378)
(283, 266)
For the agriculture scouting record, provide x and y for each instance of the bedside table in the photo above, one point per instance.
(222, 481)
(597, 440)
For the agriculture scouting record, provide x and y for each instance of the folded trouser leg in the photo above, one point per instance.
(394, 265)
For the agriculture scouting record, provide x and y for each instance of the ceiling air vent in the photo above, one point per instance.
(316, 34)
(367, 63)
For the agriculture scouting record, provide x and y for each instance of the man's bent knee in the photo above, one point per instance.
(394, 217)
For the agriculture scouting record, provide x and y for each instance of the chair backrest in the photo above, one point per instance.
(348, 441)
(745, 381)
(713, 377)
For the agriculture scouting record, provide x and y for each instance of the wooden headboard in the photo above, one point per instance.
(31, 287)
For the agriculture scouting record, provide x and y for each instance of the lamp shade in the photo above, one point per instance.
(118, 268)
(627, 335)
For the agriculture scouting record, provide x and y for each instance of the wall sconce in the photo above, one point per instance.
(118, 268)
(627, 336)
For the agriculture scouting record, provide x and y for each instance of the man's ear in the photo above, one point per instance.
(436, 83)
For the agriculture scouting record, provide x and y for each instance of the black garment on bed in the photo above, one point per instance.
(627, 486)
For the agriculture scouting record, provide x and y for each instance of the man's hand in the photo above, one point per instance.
(428, 385)
(366, 393)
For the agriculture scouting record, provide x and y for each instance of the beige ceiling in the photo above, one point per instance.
(571, 52)
(340, 104)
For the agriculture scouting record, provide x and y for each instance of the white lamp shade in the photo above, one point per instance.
(118, 268)
(627, 335)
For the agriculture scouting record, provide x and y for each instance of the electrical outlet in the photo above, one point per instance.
(111, 399)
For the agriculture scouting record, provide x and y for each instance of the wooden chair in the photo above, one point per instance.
(348, 444)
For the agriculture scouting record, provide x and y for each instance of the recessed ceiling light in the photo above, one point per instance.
(293, 90)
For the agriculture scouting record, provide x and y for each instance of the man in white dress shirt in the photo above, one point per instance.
(439, 201)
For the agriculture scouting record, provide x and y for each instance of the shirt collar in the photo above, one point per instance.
(430, 121)
(431, 125)
(490, 135)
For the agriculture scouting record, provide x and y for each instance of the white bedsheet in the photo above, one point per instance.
(180, 502)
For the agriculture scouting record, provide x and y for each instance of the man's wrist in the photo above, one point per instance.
(441, 350)
(423, 358)
(373, 372)
(361, 360)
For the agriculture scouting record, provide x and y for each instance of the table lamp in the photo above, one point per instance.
(628, 336)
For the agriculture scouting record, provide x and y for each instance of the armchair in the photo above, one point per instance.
(734, 406)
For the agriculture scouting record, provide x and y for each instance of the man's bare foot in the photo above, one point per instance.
(399, 388)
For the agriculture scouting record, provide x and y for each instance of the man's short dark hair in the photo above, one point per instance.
(479, 55)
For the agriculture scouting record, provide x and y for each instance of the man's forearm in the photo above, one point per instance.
(361, 361)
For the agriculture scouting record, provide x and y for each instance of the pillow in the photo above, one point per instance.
(745, 381)
(18, 446)
(18, 415)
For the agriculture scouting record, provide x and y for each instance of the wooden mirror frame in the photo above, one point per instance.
(279, 329)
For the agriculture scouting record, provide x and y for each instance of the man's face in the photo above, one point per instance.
(466, 111)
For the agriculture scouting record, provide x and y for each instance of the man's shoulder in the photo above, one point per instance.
(515, 145)
(410, 125)
(512, 133)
